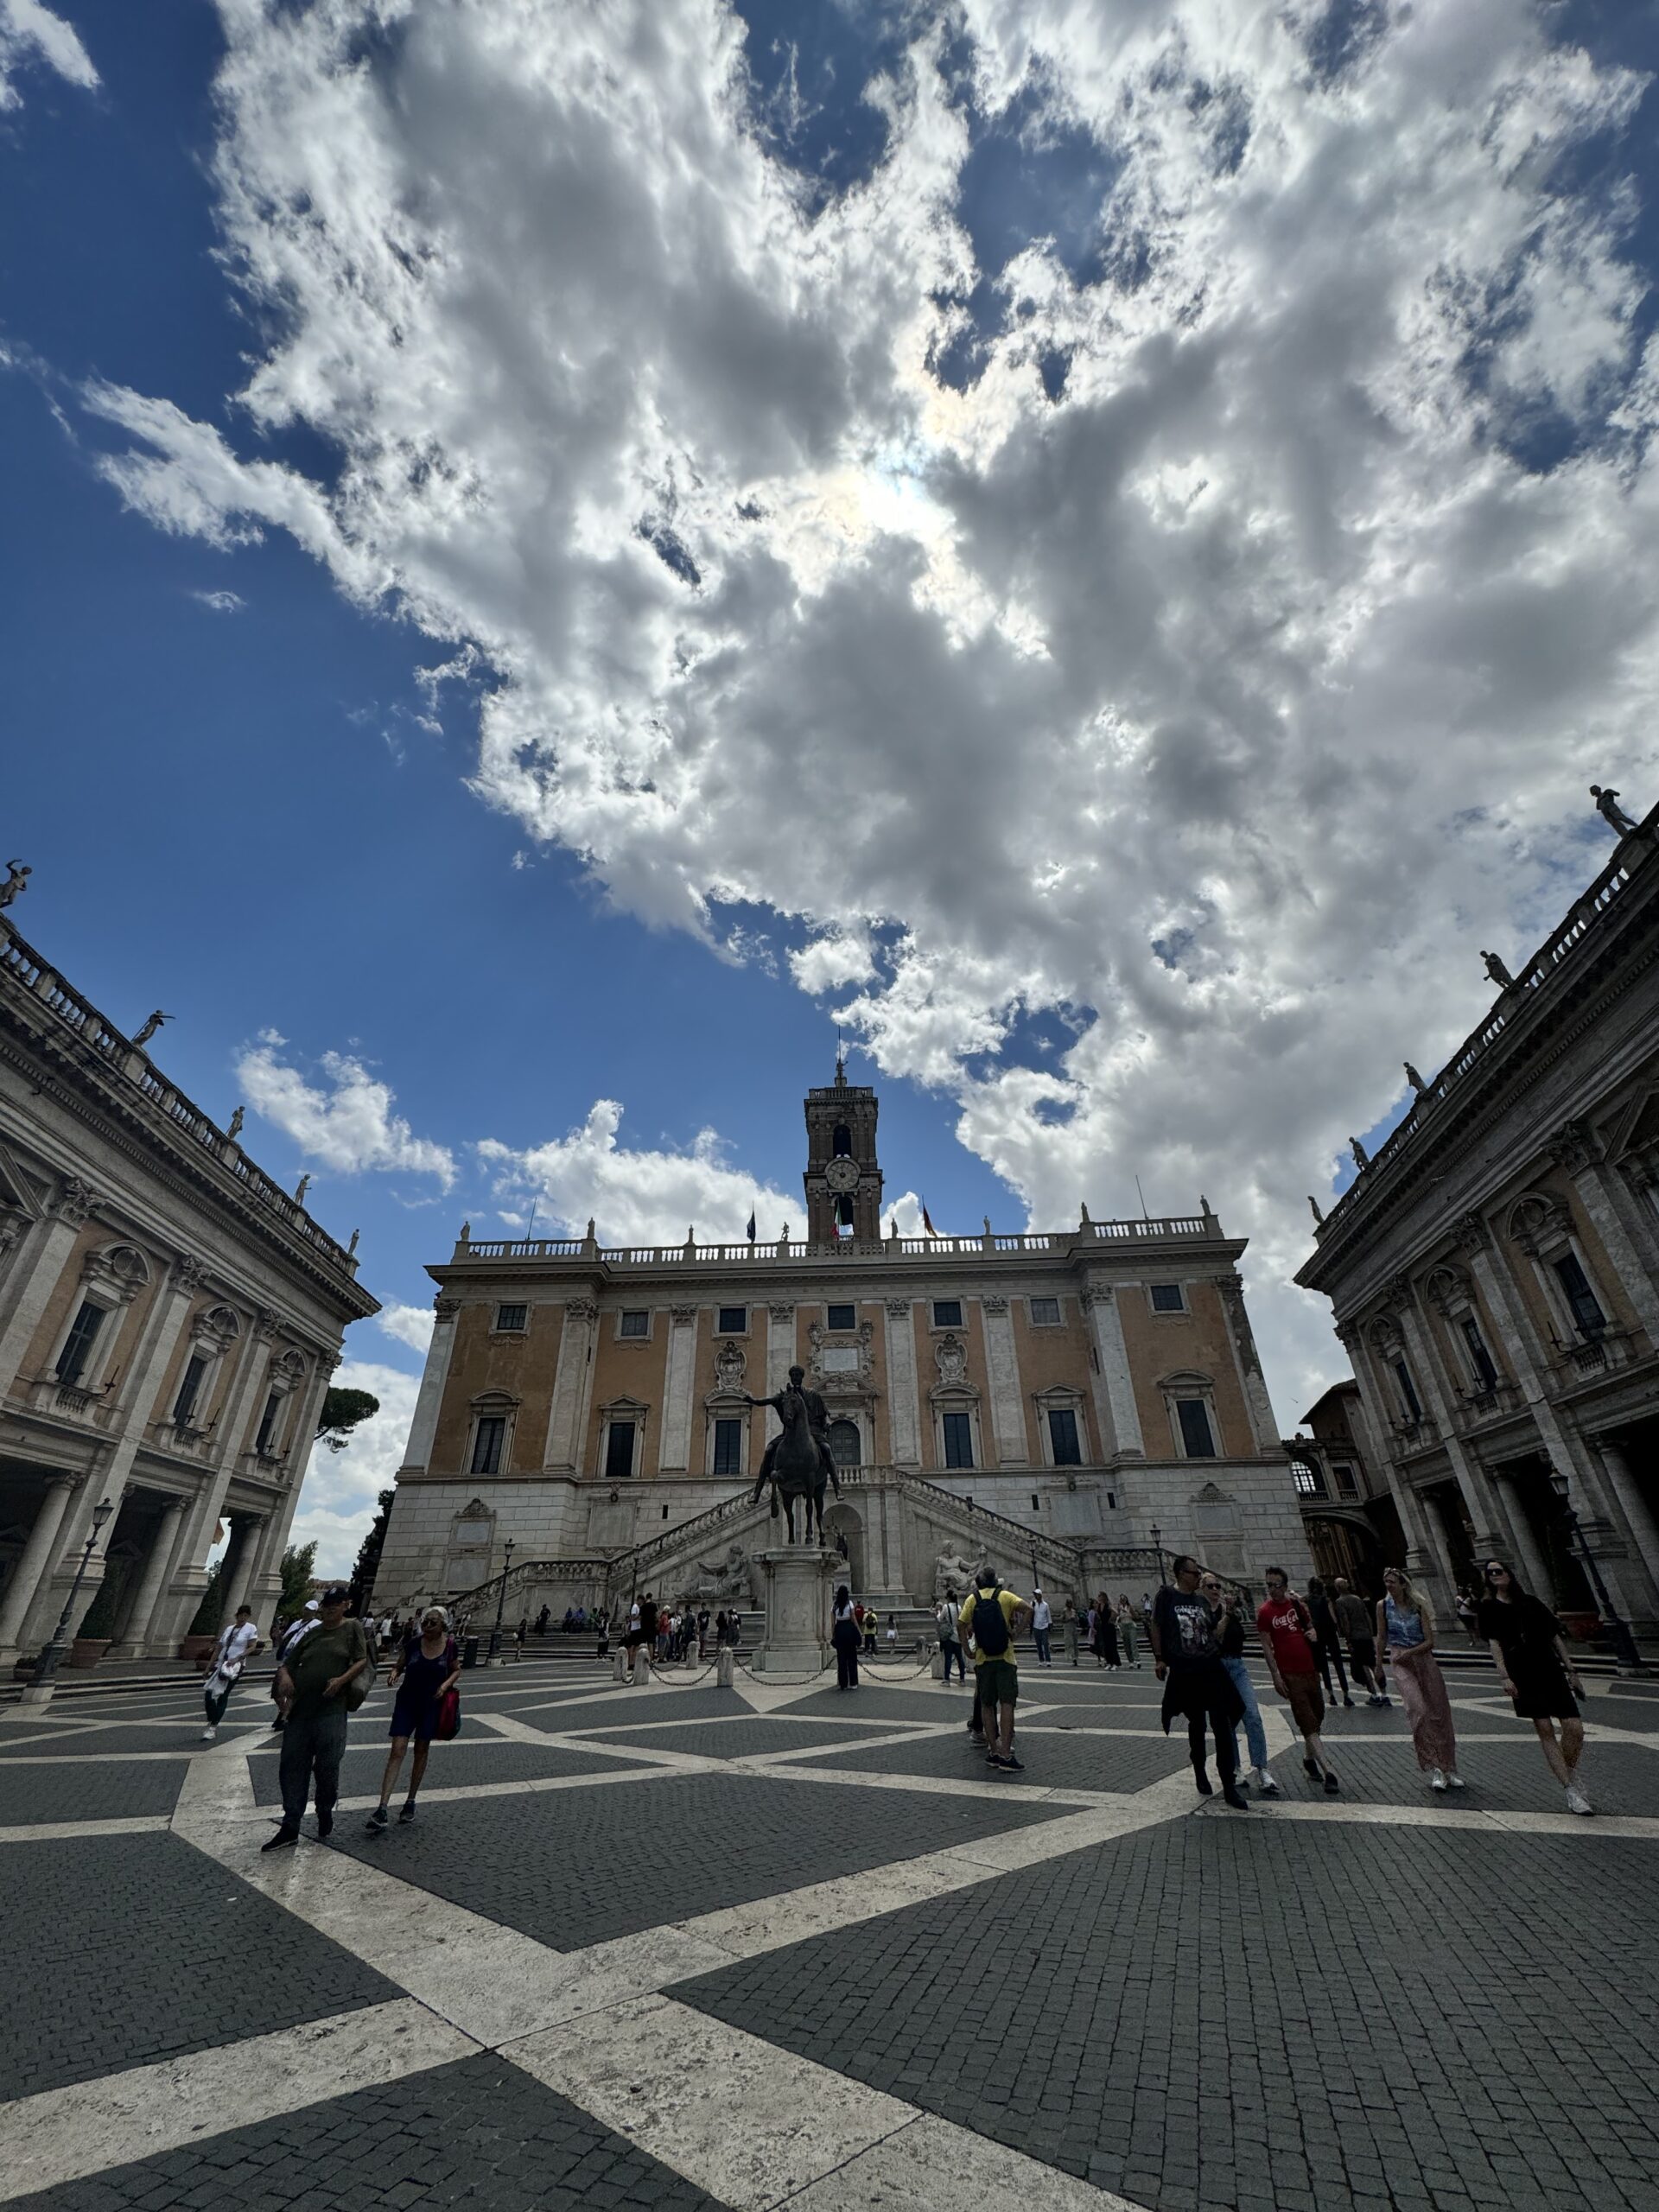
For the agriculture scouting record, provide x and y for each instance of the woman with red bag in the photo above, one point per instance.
(428, 1704)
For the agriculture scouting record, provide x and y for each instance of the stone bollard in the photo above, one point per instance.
(619, 1666)
(935, 1667)
(642, 1667)
(690, 1662)
(728, 1675)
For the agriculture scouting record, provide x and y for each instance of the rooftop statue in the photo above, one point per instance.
(1496, 970)
(16, 884)
(151, 1026)
(1612, 812)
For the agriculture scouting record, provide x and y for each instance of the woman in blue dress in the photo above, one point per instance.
(430, 1667)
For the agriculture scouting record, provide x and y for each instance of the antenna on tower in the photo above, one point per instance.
(1141, 1195)
(840, 1057)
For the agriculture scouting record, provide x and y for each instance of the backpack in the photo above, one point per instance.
(990, 1624)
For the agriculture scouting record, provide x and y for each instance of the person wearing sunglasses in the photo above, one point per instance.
(1528, 1648)
(1230, 1617)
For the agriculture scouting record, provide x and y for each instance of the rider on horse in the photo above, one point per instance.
(817, 1416)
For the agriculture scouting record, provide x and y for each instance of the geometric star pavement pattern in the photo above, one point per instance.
(682, 1947)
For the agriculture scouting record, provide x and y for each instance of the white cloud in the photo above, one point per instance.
(406, 1325)
(639, 1197)
(221, 602)
(349, 1125)
(31, 33)
(1221, 708)
(342, 1487)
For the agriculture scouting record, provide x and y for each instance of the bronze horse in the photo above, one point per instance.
(798, 1468)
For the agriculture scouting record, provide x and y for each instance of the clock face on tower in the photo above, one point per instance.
(842, 1174)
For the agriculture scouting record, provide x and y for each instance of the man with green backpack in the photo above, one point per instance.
(319, 1682)
(993, 1616)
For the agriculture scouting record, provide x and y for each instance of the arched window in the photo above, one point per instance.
(841, 1143)
(845, 1446)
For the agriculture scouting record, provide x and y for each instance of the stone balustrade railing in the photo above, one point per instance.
(795, 1251)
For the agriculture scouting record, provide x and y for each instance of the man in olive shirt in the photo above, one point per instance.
(311, 1685)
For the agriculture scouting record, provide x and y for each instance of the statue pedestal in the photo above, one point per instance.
(799, 1580)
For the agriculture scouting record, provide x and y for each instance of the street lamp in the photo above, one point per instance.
(1626, 1657)
(1157, 1546)
(491, 1657)
(39, 1692)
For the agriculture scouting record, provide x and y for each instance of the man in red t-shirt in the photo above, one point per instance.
(1286, 1627)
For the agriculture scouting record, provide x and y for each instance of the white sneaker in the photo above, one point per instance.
(1576, 1800)
(210, 1735)
(1437, 1780)
(1455, 1781)
(1264, 1782)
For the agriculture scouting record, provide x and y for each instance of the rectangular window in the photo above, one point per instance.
(1045, 1312)
(1408, 1397)
(947, 1313)
(1063, 1437)
(1587, 1317)
(619, 1451)
(1479, 1359)
(1310, 1482)
(72, 1360)
(729, 1447)
(189, 1388)
(841, 1317)
(1167, 1298)
(486, 1444)
(733, 1320)
(1346, 1485)
(958, 1440)
(634, 1324)
(1197, 1441)
(268, 1423)
(511, 1318)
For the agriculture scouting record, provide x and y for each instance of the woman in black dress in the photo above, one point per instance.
(1529, 1649)
(844, 1635)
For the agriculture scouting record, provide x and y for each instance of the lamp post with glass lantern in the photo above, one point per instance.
(493, 1657)
(39, 1692)
(1626, 1658)
(1157, 1546)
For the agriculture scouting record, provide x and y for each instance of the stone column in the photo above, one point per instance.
(1534, 1567)
(418, 1452)
(1246, 1361)
(38, 1269)
(172, 1617)
(781, 1345)
(266, 1578)
(135, 1403)
(39, 1552)
(1125, 1439)
(1002, 1365)
(1423, 1559)
(1627, 1494)
(73, 1531)
(1472, 1481)
(904, 1417)
(246, 1528)
(569, 1390)
(134, 1637)
(678, 1380)
(1577, 1150)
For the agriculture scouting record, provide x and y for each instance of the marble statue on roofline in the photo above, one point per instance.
(1494, 967)
(1612, 812)
(151, 1026)
(16, 884)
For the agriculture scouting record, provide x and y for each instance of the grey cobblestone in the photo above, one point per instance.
(103, 1789)
(575, 1867)
(1052, 1759)
(123, 1949)
(479, 2133)
(738, 1740)
(458, 1765)
(1321, 2016)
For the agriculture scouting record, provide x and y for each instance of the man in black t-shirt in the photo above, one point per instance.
(1186, 1652)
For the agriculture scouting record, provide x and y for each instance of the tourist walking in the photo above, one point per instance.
(1286, 1627)
(1105, 1633)
(871, 1622)
(1405, 1636)
(314, 1686)
(1187, 1659)
(1042, 1619)
(1126, 1623)
(237, 1645)
(301, 1626)
(944, 1615)
(1354, 1619)
(1228, 1609)
(1528, 1647)
(1071, 1628)
(994, 1617)
(1327, 1639)
(844, 1636)
(427, 1671)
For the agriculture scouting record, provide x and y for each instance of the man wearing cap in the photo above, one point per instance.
(312, 1684)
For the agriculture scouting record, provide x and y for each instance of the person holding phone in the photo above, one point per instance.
(1528, 1647)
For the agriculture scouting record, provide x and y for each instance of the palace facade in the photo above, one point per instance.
(1050, 1399)
(169, 1323)
(1495, 1273)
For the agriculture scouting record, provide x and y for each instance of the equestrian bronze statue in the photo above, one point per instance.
(799, 1461)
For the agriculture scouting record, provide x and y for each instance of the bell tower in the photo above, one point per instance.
(843, 1182)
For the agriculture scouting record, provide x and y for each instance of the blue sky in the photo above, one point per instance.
(922, 491)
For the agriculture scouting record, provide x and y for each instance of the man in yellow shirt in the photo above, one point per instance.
(993, 1616)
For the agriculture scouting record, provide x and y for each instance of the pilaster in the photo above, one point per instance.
(904, 1412)
(39, 1550)
(417, 1454)
(569, 1387)
(1122, 1426)
(678, 1382)
(1002, 1365)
